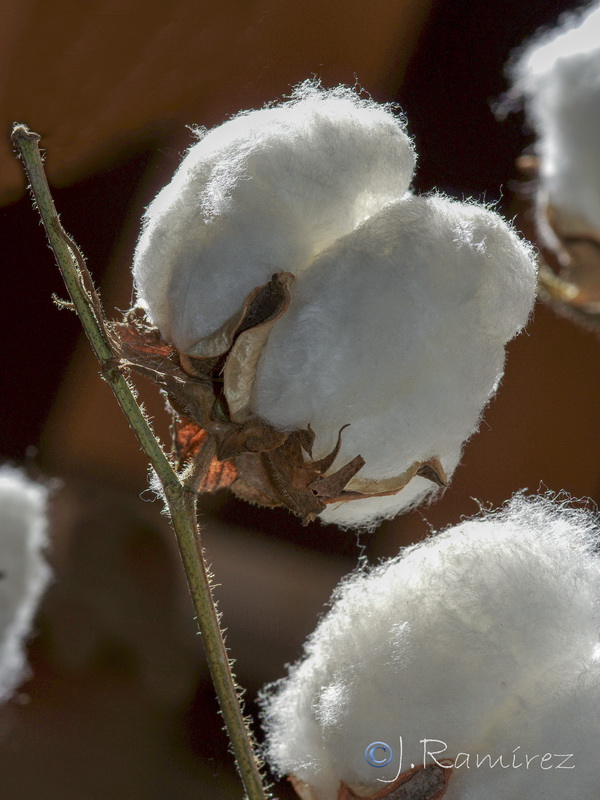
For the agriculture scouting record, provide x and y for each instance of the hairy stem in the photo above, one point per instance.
(180, 495)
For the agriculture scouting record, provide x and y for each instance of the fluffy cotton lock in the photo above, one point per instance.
(399, 331)
(558, 75)
(482, 639)
(400, 308)
(264, 192)
(24, 572)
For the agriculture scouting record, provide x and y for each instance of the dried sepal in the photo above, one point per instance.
(419, 783)
(259, 463)
(576, 254)
(569, 270)
(434, 471)
(190, 441)
(299, 484)
(140, 346)
(254, 484)
(263, 304)
(431, 469)
(194, 387)
(558, 294)
(188, 438)
(262, 312)
(304, 790)
(209, 392)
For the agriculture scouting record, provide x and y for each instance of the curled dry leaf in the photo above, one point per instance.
(420, 783)
(431, 469)
(209, 393)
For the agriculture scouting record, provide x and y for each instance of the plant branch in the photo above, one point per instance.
(180, 495)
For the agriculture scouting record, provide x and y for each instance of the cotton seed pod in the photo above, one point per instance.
(351, 332)
(482, 639)
(24, 572)
(263, 193)
(558, 76)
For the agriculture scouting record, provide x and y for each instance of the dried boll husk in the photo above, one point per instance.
(558, 77)
(263, 193)
(23, 569)
(484, 637)
(398, 331)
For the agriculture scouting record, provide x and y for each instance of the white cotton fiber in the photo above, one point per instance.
(263, 193)
(484, 637)
(559, 77)
(398, 329)
(400, 308)
(24, 573)
(558, 721)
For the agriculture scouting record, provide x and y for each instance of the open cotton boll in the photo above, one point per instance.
(24, 573)
(476, 637)
(559, 77)
(289, 243)
(398, 330)
(263, 193)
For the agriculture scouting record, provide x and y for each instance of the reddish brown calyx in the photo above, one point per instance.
(209, 393)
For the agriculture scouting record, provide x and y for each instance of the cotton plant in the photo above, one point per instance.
(356, 330)
(557, 75)
(24, 572)
(468, 667)
(326, 339)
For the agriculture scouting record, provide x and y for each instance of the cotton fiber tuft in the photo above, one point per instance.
(265, 192)
(482, 639)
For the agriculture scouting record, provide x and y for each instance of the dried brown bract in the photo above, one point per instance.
(209, 395)
(569, 273)
(420, 783)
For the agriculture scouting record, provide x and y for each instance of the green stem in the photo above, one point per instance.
(180, 498)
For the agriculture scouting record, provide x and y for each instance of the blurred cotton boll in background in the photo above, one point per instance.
(391, 339)
(24, 572)
(558, 77)
(484, 637)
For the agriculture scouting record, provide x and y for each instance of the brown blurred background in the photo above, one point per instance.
(119, 705)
